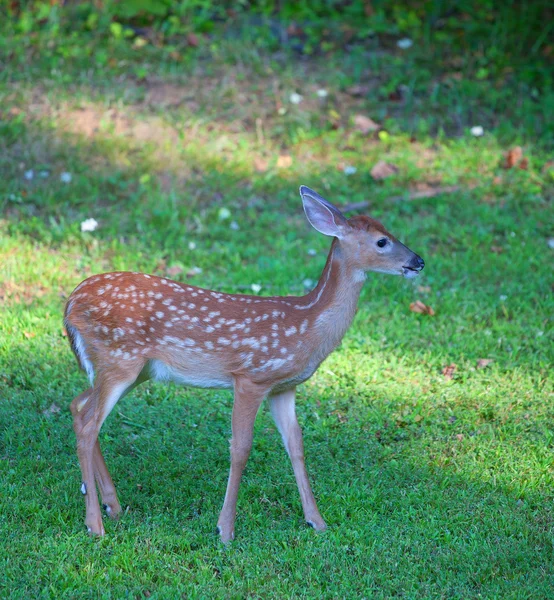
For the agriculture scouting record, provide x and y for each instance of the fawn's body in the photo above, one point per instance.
(126, 328)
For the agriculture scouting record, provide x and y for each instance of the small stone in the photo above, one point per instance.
(404, 43)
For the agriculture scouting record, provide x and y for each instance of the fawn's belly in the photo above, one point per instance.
(204, 376)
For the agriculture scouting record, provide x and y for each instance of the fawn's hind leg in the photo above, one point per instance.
(90, 410)
(102, 476)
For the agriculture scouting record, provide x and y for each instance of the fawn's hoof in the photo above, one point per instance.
(226, 535)
(112, 509)
(317, 523)
(95, 527)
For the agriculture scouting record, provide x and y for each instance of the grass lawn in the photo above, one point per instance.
(435, 482)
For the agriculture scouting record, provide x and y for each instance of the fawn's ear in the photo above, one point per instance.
(321, 214)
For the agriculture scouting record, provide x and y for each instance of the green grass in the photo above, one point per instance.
(432, 488)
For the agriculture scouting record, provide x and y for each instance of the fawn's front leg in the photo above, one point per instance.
(248, 398)
(283, 410)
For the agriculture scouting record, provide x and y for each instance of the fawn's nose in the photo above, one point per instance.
(417, 263)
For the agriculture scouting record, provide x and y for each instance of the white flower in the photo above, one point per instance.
(307, 283)
(192, 245)
(551, 243)
(89, 225)
(404, 43)
(65, 177)
(256, 287)
(503, 297)
(321, 93)
(224, 213)
(312, 252)
(349, 170)
(477, 131)
(194, 271)
(282, 111)
(234, 226)
(43, 174)
(295, 98)
(29, 174)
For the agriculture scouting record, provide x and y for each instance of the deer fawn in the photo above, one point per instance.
(125, 328)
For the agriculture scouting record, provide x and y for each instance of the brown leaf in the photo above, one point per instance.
(382, 170)
(53, 409)
(512, 157)
(284, 161)
(364, 124)
(548, 167)
(524, 164)
(448, 371)
(459, 436)
(29, 334)
(340, 416)
(261, 164)
(174, 270)
(419, 307)
(497, 249)
(424, 289)
(484, 362)
(357, 90)
(192, 40)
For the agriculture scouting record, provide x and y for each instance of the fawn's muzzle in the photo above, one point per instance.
(412, 269)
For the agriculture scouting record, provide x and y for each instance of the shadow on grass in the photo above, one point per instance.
(393, 520)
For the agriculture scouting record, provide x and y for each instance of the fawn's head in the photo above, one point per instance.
(366, 243)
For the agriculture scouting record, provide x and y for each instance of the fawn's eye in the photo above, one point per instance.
(382, 242)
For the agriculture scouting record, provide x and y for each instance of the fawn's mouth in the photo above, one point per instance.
(410, 272)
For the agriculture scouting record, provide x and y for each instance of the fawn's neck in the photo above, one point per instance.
(332, 303)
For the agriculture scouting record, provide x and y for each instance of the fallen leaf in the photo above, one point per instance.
(364, 124)
(497, 249)
(524, 164)
(29, 334)
(53, 409)
(459, 436)
(513, 157)
(284, 161)
(484, 362)
(448, 371)
(419, 307)
(261, 164)
(548, 167)
(424, 289)
(357, 90)
(340, 416)
(382, 170)
(192, 40)
(174, 270)
(194, 271)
